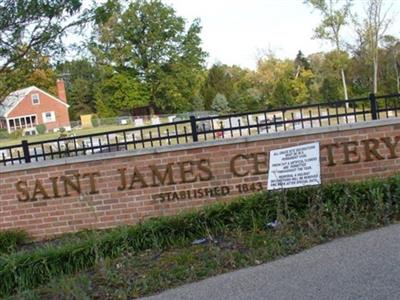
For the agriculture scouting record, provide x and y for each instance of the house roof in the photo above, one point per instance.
(14, 98)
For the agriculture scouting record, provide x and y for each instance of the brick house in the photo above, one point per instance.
(26, 108)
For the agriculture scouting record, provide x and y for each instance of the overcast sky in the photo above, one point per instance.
(234, 31)
(237, 31)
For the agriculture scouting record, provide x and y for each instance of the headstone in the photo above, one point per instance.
(139, 122)
(351, 119)
(155, 120)
(251, 121)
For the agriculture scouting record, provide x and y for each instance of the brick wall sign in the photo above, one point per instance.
(106, 190)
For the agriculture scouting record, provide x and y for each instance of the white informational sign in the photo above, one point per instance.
(294, 167)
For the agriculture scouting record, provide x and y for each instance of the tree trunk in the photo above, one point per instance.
(375, 76)
(396, 67)
(346, 96)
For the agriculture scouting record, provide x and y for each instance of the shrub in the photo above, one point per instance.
(4, 133)
(220, 104)
(17, 134)
(95, 121)
(10, 240)
(63, 132)
(41, 128)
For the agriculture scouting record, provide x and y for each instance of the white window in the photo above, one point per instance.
(48, 117)
(35, 99)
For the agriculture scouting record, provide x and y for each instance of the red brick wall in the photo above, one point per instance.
(47, 104)
(111, 207)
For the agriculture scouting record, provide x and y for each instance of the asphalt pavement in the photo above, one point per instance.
(365, 266)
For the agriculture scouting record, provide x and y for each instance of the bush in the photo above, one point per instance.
(63, 133)
(41, 128)
(95, 121)
(220, 104)
(12, 239)
(17, 134)
(4, 133)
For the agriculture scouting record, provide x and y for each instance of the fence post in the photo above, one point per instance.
(374, 106)
(194, 128)
(25, 148)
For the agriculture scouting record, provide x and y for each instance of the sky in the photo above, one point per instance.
(238, 31)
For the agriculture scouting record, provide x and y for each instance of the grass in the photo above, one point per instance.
(133, 261)
(55, 135)
(11, 240)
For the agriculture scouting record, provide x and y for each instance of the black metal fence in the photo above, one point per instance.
(197, 129)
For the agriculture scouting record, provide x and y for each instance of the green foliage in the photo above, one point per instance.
(233, 82)
(118, 94)
(16, 134)
(82, 78)
(41, 128)
(95, 121)
(11, 240)
(4, 133)
(220, 104)
(363, 205)
(30, 26)
(197, 104)
(150, 42)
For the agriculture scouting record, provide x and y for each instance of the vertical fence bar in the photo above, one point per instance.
(195, 136)
(284, 120)
(43, 151)
(230, 126)
(374, 107)
(159, 135)
(176, 133)
(319, 115)
(386, 108)
(293, 125)
(186, 135)
(248, 124)
(25, 148)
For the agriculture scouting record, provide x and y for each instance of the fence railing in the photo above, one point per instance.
(197, 129)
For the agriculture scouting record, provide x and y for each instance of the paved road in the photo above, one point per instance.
(366, 266)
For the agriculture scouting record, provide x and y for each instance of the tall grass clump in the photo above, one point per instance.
(11, 240)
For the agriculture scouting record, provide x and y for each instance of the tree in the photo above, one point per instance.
(273, 73)
(218, 80)
(389, 61)
(36, 26)
(333, 20)
(220, 104)
(301, 62)
(197, 104)
(82, 77)
(150, 42)
(33, 69)
(119, 93)
(371, 32)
